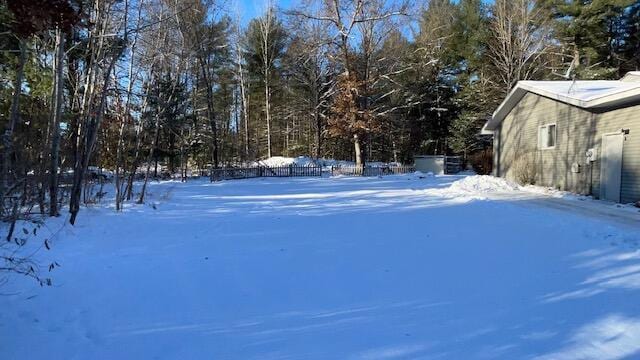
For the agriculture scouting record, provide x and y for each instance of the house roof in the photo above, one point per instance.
(586, 94)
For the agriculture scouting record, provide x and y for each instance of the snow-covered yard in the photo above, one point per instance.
(403, 267)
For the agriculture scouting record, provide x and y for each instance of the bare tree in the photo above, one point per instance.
(241, 79)
(14, 114)
(56, 116)
(163, 57)
(267, 22)
(103, 50)
(308, 62)
(519, 41)
(345, 16)
(125, 113)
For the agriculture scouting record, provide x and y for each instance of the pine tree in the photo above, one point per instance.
(594, 31)
(631, 43)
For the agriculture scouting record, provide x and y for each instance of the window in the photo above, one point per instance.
(547, 136)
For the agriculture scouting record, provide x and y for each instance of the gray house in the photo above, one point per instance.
(579, 136)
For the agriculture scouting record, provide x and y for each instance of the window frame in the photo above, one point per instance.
(542, 146)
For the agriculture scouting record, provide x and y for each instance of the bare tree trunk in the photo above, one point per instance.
(183, 174)
(395, 151)
(149, 158)
(58, 93)
(134, 167)
(155, 157)
(140, 136)
(356, 144)
(265, 30)
(318, 125)
(245, 104)
(88, 144)
(210, 111)
(214, 152)
(517, 27)
(14, 114)
(267, 112)
(41, 178)
(125, 115)
(243, 101)
(123, 122)
(236, 125)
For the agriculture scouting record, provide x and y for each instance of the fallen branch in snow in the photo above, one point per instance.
(17, 258)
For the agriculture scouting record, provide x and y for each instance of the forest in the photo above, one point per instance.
(153, 88)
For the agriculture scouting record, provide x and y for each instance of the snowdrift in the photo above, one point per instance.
(277, 161)
(483, 184)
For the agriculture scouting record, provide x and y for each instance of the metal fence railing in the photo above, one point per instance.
(371, 170)
(453, 164)
(264, 171)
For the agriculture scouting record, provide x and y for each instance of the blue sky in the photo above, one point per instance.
(249, 9)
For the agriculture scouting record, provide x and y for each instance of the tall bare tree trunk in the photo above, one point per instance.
(134, 166)
(210, 110)
(267, 112)
(265, 31)
(517, 27)
(125, 116)
(88, 142)
(317, 121)
(245, 113)
(14, 114)
(243, 100)
(149, 158)
(58, 86)
(183, 160)
(123, 122)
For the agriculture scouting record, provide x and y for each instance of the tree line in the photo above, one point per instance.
(145, 88)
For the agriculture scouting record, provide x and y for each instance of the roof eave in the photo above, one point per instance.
(521, 88)
(618, 99)
(485, 131)
(505, 107)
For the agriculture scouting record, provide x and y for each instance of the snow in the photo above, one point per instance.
(476, 185)
(483, 184)
(421, 175)
(278, 161)
(405, 266)
(583, 90)
(560, 194)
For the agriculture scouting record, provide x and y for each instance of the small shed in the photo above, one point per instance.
(430, 163)
(437, 164)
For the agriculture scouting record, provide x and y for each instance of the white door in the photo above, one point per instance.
(611, 166)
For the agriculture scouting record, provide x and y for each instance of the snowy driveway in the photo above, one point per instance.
(340, 268)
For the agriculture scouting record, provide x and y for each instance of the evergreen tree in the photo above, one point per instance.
(167, 108)
(631, 43)
(594, 31)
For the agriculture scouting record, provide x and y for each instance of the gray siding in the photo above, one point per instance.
(516, 139)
